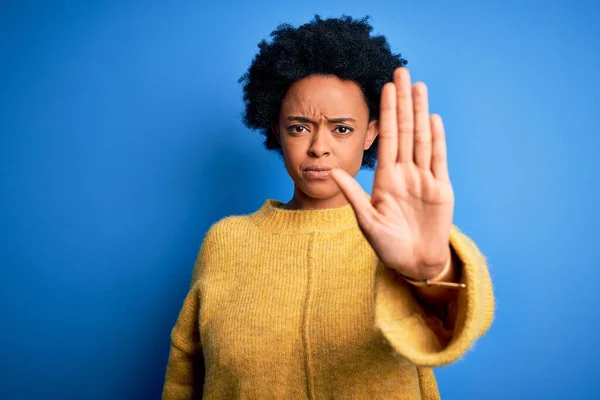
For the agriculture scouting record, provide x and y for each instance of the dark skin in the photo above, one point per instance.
(324, 123)
(321, 137)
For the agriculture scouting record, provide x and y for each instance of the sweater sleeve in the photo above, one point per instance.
(408, 331)
(184, 376)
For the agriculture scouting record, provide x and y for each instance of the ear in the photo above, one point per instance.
(372, 131)
(275, 129)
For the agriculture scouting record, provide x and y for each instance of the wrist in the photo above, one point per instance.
(446, 276)
(445, 272)
(442, 289)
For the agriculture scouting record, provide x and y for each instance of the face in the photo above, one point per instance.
(323, 124)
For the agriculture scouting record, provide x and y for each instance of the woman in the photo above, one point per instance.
(334, 294)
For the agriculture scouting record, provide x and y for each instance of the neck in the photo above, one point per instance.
(273, 217)
(301, 201)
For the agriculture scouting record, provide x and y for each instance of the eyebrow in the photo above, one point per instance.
(334, 120)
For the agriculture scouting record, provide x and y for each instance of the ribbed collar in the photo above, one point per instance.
(271, 217)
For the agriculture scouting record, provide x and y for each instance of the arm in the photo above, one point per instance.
(438, 304)
(408, 223)
(412, 333)
(184, 376)
(432, 295)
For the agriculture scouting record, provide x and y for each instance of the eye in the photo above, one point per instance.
(344, 130)
(296, 128)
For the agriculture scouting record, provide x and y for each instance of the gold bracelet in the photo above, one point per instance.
(431, 283)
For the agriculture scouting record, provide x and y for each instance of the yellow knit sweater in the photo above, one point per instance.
(295, 305)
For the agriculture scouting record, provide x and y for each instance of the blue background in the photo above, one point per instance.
(121, 143)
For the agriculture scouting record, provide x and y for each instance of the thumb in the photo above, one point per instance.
(354, 193)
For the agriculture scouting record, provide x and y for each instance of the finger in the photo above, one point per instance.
(439, 156)
(404, 110)
(354, 193)
(422, 144)
(388, 127)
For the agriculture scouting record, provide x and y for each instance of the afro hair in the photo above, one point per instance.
(341, 47)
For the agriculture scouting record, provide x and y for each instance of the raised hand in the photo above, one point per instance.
(408, 218)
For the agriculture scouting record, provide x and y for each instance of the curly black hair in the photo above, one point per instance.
(342, 47)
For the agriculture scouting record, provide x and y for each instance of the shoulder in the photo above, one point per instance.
(223, 238)
(219, 244)
(229, 232)
(227, 229)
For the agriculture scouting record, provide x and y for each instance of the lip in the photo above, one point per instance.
(317, 172)
(318, 168)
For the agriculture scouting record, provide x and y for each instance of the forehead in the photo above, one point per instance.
(325, 95)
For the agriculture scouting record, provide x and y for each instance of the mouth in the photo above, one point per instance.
(318, 168)
(317, 172)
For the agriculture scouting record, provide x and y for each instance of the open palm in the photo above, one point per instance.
(408, 219)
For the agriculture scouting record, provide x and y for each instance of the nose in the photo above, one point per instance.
(319, 146)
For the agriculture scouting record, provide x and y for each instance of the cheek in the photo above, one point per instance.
(351, 158)
(293, 147)
(293, 153)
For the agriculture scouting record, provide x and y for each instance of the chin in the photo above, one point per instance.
(319, 189)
